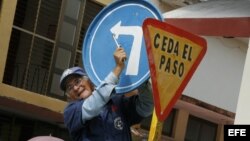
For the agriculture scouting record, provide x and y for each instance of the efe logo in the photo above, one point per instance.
(236, 132)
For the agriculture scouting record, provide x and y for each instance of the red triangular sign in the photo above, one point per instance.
(173, 55)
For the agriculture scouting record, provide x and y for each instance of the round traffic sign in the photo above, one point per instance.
(123, 21)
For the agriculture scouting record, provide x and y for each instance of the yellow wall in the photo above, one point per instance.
(104, 2)
(180, 125)
(220, 133)
(32, 98)
(6, 21)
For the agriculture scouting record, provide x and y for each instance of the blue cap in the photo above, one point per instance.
(68, 72)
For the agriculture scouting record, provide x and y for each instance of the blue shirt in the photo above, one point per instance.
(105, 116)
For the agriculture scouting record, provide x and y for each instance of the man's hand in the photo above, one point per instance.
(120, 57)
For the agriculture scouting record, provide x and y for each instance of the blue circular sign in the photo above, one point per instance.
(120, 21)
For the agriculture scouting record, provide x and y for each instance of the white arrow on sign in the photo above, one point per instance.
(134, 58)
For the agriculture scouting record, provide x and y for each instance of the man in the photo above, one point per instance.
(98, 114)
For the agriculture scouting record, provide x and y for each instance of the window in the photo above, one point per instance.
(46, 38)
(32, 44)
(200, 130)
(77, 17)
(92, 9)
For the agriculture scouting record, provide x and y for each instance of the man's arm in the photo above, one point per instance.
(93, 105)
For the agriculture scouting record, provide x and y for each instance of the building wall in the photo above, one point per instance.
(218, 78)
(242, 114)
(221, 69)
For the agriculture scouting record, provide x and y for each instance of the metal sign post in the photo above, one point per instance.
(155, 128)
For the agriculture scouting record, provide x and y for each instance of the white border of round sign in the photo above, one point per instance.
(119, 89)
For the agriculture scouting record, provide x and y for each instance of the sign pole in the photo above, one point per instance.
(155, 128)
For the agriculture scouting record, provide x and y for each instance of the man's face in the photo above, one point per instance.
(78, 87)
